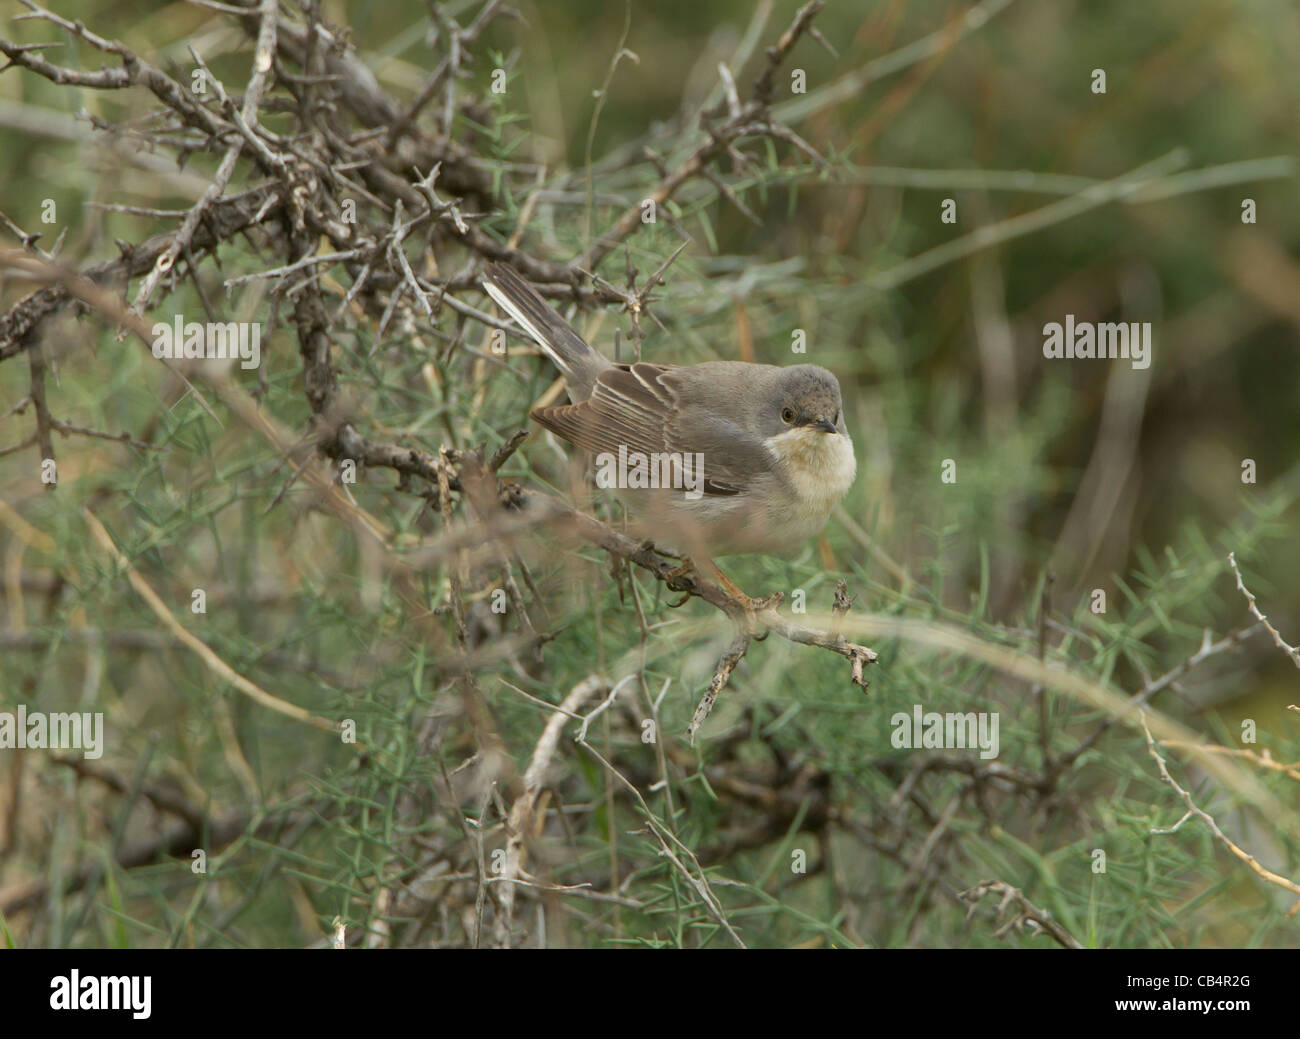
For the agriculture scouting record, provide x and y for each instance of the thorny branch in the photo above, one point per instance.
(1205, 817)
(1025, 915)
(366, 186)
(1291, 651)
(299, 208)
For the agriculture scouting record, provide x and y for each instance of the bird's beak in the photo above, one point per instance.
(825, 425)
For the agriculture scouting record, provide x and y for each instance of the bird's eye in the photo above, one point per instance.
(787, 415)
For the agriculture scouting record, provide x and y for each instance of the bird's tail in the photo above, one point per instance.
(577, 361)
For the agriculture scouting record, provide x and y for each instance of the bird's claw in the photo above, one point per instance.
(672, 580)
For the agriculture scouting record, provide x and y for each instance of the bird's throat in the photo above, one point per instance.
(819, 465)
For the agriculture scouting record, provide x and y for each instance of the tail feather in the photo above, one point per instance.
(578, 362)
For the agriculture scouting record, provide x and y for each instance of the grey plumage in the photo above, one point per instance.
(776, 453)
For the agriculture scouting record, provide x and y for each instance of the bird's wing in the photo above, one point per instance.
(639, 406)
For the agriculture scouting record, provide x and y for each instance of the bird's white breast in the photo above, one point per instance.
(820, 467)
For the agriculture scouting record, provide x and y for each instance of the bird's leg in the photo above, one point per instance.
(687, 567)
(748, 603)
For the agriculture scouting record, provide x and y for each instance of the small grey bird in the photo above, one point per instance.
(716, 459)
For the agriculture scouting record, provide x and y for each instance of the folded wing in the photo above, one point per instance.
(638, 406)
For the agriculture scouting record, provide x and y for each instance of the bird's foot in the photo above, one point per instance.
(747, 603)
(673, 580)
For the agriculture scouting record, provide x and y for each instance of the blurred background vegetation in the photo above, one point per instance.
(1070, 475)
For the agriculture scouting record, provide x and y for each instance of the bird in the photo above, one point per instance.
(714, 459)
